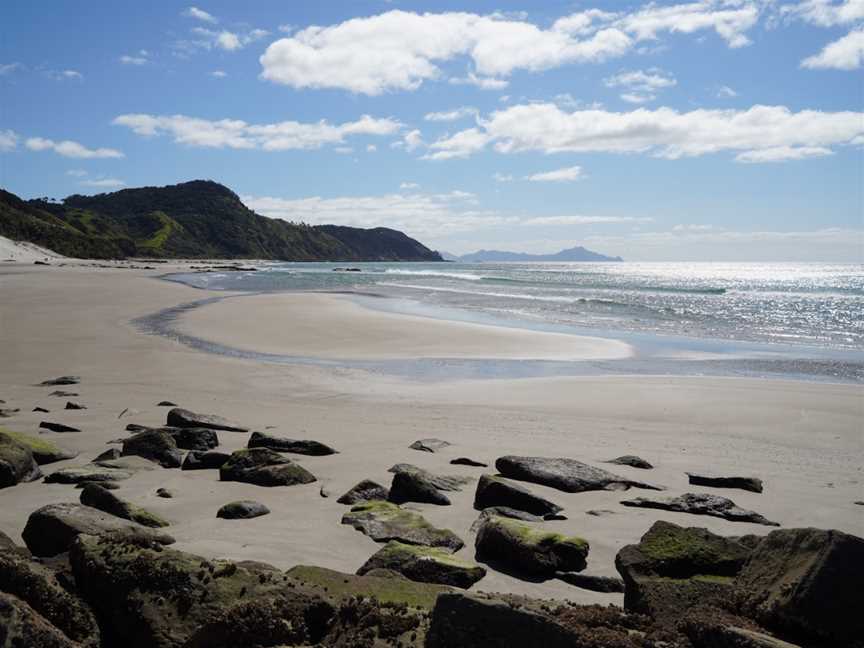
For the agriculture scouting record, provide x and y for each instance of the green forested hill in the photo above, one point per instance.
(188, 220)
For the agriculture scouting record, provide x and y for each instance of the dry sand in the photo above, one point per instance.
(804, 439)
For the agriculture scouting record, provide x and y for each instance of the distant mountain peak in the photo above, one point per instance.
(577, 253)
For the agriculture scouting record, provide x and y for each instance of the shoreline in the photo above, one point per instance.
(798, 436)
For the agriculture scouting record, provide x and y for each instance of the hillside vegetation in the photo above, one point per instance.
(198, 219)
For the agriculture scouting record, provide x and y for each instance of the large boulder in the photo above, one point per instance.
(149, 598)
(752, 484)
(205, 460)
(179, 417)
(200, 439)
(496, 491)
(21, 625)
(568, 475)
(441, 482)
(807, 583)
(424, 564)
(103, 499)
(155, 446)
(39, 588)
(44, 452)
(16, 463)
(414, 487)
(294, 446)
(702, 504)
(674, 568)
(263, 467)
(364, 491)
(522, 548)
(385, 521)
(52, 529)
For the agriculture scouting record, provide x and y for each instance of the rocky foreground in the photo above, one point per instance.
(99, 571)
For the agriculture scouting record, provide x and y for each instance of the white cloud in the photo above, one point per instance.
(237, 134)
(693, 228)
(228, 41)
(640, 86)
(76, 173)
(825, 13)
(451, 115)
(371, 148)
(199, 14)
(219, 74)
(343, 150)
(846, 53)
(725, 92)
(223, 39)
(399, 50)
(69, 148)
(133, 60)
(664, 132)
(584, 220)
(409, 185)
(8, 68)
(502, 177)
(412, 140)
(8, 141)
(568, 174)
(104, 183)
(783, 154)
(64, 75)
(286, 28)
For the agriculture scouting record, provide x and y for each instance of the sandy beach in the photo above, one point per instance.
(805, 440)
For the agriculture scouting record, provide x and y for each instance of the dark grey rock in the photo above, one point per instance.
(467, 461)
(41, 409)
(108, 485)
(63, 394)
(74, 406)
(631, 460)
(109, 455)
(103, 499)
(605, 584)
(429, 445)
(294, 446)
(424, 565)
(164, 493)
(166, 403)
(568, 475)
(496, 491)
(155, 446)
(752, 484)
(702, 504)
(364, 491)
(57, 427)
(242, 510)
(413, 487)
(88, 473)
(179, 417)
(205, 460)
(263, 467)
(7, 413)
(503, 511)
(16, 463)
(441, 482)
(62, 380)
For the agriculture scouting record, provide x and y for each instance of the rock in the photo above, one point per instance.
(16, 463)
(631, 460)
(424, 564)
(599, 512)
(429, 445)
(21, 625)
(44, 452)
(151, 598)
(38, 587)
(103, 499)
(413, 487)
(462, 619)
(524, 549)
(205, 460)
(166, 403)
(57, 427)
(466, 461)
(366, 490)
(164, 493)
(41, 409)
(9, 412)
(130, 464)
(109, 455)
(52, 529)
(88, 473)
(752, 484)
(242, 510)
(503, 511)
(385, 521)
(179, 417)
(197, 439)
(702, 504)
(108, 485)
(807, 583)
(63, 394)
(441, 482)
(715, 635)
(495, 491)
(568, 475)
(74, 406)
(325, 491)
(311, 448)
(263, 467)
(674, 568)
(860, 503)
(62, 380)
(605, 584)
(156, 446)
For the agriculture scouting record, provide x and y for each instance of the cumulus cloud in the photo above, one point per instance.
(69, 148)
(451, 115)
(8, 141)
(410, 142)
(199, 14)
(664, 132)
(783, 154)
(825, 13)
(224, 39)
(399, 50)
(640, 86)
(237, 134)
(568, 174)
(846, 53)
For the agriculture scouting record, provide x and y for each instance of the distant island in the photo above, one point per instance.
(577, 253)
(197, 219)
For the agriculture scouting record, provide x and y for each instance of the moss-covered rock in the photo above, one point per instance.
(154, 445)
(44, 452)
(16, 463)
(21, 625)
(522, 548)
(424, 564)
(101, 498)
(263, 467)
(385, 521)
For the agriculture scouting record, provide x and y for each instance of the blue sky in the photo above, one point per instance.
(707, 130)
